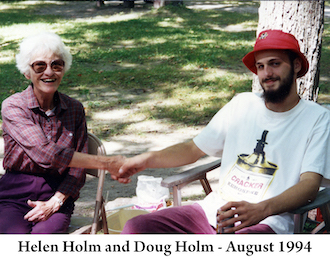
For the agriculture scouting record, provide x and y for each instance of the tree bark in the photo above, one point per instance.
(99, 3)
(159, 3)
(303, 19)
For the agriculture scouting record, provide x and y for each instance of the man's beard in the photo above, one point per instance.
(279, 95)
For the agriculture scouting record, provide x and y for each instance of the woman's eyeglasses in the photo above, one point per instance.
(41, 66)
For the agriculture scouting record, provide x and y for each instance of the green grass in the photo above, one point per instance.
(176, 64)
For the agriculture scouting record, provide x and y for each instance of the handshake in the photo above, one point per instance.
(122, 168)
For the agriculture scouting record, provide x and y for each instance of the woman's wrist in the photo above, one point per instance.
(58, 200)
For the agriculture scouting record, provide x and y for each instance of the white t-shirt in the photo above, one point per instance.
(296, 141)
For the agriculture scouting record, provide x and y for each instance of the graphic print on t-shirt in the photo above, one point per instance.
(250, 176)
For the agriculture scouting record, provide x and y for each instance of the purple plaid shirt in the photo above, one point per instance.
(43, 145)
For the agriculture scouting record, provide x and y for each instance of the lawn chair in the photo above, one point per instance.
(177, 182)
(96, 147)
(322, 202)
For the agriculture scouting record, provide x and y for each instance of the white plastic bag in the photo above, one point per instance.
(151, 195)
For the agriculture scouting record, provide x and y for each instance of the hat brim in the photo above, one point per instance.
(250, 62)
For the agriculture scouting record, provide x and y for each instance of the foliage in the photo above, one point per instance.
(175, 64)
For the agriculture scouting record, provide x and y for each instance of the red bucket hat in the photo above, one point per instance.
(275, 40)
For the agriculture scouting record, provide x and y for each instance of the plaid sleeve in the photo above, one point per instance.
(75, 178)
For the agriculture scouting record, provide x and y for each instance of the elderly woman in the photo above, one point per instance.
(45, 144)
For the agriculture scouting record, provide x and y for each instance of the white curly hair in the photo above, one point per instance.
(39, 44)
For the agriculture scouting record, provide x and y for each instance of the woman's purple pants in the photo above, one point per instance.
(15, 190)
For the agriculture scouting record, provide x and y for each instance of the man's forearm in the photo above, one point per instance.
(175, 156)
(300, 194)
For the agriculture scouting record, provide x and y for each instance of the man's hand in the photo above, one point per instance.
(130, 167)
(42, 210)
(243, 213)
(248, 214)
(114, 164)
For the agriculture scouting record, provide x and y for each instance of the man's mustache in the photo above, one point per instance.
(270, 79)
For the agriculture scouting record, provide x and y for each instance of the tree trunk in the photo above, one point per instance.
(99, 3)
(159, 3)
(303, 19)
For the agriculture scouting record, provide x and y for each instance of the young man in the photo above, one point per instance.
(274, 150)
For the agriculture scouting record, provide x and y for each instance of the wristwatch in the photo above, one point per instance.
(58, 200)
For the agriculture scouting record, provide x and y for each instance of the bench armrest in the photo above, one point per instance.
(176, 182)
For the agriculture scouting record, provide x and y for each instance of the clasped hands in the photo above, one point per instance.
(122, 168)
(41, 210)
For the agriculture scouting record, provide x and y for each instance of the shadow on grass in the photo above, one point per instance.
(163, 54)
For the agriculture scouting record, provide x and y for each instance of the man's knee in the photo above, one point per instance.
(136, 225)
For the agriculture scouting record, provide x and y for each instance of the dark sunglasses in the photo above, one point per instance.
(41, 66)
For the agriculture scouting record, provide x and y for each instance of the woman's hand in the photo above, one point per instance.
(42, 210)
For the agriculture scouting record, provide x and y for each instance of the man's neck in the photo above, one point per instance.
(290, 102)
